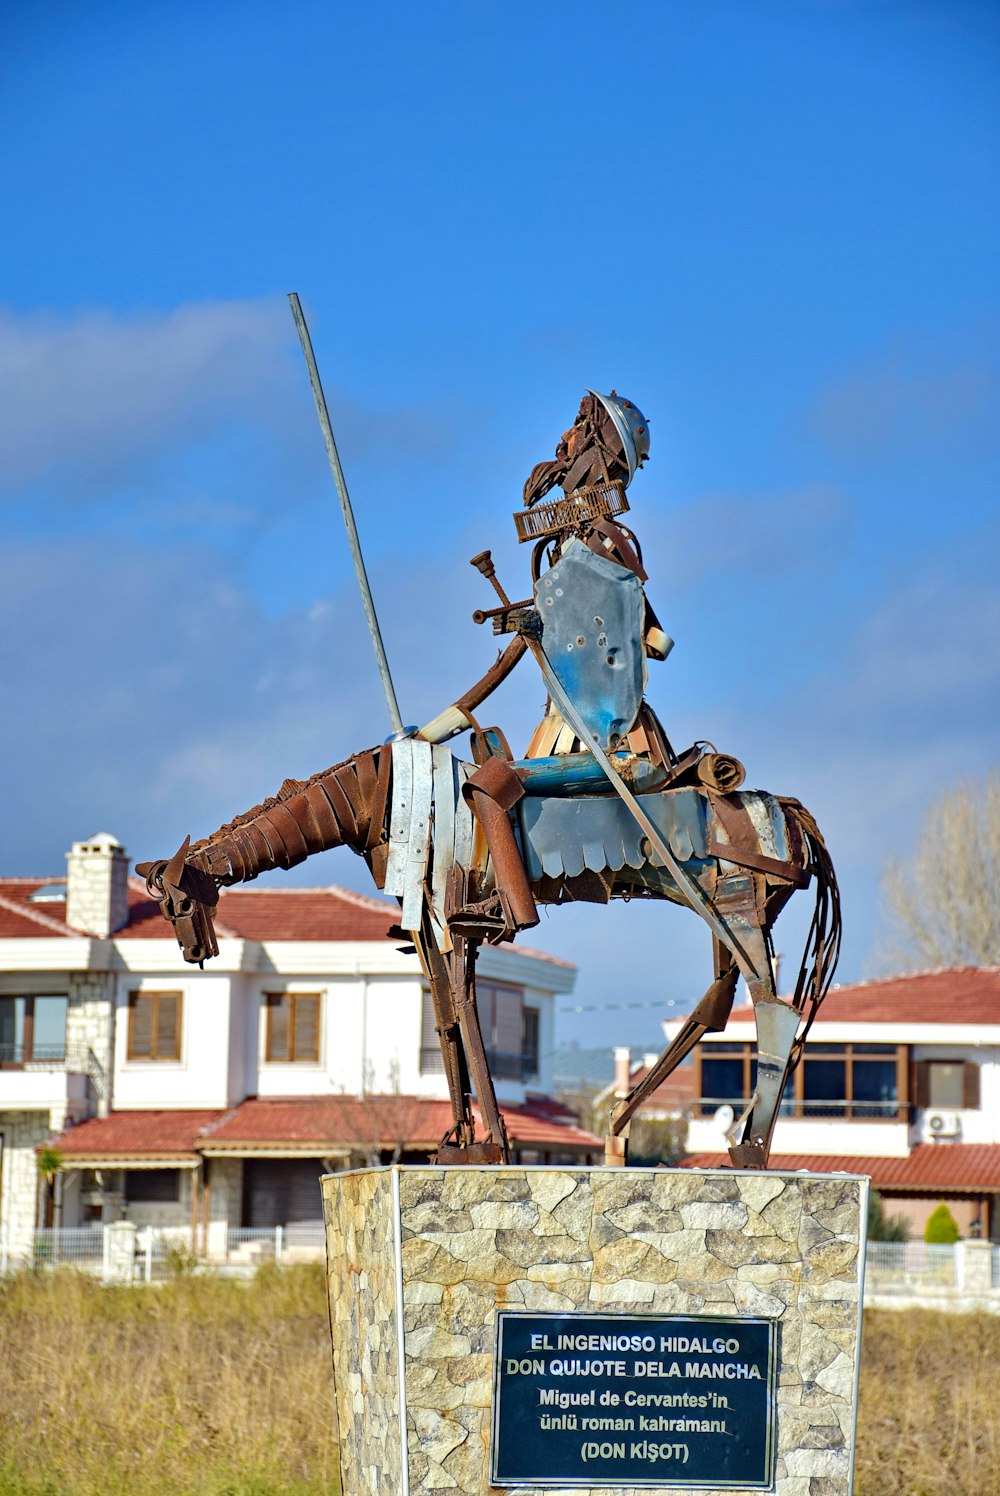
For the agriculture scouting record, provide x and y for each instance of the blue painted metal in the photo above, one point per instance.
(581, 774)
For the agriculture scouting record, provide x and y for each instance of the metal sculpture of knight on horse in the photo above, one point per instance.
(600, 807)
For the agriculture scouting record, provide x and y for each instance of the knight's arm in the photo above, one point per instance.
(455, 718)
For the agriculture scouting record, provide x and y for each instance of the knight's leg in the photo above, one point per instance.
(492, 791)
(710, 1016)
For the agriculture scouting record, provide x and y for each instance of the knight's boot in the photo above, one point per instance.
(492, 792)
(750, 1137)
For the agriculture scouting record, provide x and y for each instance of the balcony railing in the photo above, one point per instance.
(858, 1111)
(73, 1059)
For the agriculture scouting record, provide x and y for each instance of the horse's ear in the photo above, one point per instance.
(175, 867)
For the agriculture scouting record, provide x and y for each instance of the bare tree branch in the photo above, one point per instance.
(943, 905)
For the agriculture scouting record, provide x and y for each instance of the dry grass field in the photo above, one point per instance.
(202, 1387)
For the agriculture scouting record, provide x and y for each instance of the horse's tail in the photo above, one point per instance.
(341, 806)
(819, 959)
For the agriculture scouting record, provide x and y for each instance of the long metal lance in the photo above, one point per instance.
(348, 513)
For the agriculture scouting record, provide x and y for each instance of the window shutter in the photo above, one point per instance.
(168, 1025)
(485, 1006)
(922, 1076)
(529, 1041)
(277, 1026)
(305, 1012)
(970, 1086)
(140, 1026)
(428, 1032)
(508, 1022)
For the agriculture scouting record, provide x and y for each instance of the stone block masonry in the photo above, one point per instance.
(421, 1259)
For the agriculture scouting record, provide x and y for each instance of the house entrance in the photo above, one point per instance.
(282, 1192)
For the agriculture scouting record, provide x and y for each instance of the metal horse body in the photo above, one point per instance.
(416, 813)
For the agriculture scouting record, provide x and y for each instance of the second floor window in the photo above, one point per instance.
(32, 1028)
(509, 1028)
(154, 1025)
(292, 1026)
(833, 1080)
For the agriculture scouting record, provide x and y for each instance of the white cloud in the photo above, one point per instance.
(84, 397)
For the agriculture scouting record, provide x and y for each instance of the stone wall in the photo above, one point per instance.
(22, 1132)
(90, 1018)
(468, 1241)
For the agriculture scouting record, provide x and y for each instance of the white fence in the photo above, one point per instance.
(125, 1253)
(896, 1273)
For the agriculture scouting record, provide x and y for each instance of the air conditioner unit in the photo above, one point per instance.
(942, 1124)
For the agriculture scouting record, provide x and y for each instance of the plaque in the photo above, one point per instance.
(633, 1400)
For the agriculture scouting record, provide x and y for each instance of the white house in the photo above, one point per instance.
(900, 1080)
(216, 1097)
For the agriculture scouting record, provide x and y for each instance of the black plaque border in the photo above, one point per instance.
(563, 1482)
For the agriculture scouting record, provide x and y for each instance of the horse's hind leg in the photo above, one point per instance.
(777, 1024)
(710, 1016)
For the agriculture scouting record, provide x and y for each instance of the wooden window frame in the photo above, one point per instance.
(292, 999)
(157, 1052)
(795, 1098)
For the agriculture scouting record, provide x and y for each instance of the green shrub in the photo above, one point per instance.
(882, 1227)
(941, 1226)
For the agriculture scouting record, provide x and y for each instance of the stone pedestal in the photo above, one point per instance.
(422, 1259)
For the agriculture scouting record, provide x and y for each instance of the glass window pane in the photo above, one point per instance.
(823, 1083)
(722, 1080)
(50, 1028)
(11, 1026)
(945, 1083)
(875, 1092)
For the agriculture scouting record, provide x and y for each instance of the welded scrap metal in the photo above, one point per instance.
(410, 827)
(562, 836)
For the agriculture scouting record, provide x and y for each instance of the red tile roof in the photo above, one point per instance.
(124, 1133)
(953, 994)
(292, 914)
(317, 1124)
(250, 913)
(929, 1167)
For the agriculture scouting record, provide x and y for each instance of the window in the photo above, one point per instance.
(726, 1075)
(510, 1032)
(948, 1084)
(529, 1040)
(431, 1058)
(833, 1080)
(32, 1028)
(501, 1018)
(154, 1026)
(292, 1026)
(152, 1186)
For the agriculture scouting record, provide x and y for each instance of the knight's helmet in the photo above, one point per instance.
(632, 427)
(594, 463)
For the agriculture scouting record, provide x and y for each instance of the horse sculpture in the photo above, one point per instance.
(748, 852)
(601, 808)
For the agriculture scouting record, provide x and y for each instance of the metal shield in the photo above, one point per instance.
(592, 613)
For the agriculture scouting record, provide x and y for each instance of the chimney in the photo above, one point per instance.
(623, 1070)
(97, 886)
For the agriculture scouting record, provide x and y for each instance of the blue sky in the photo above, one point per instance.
(773, 225)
